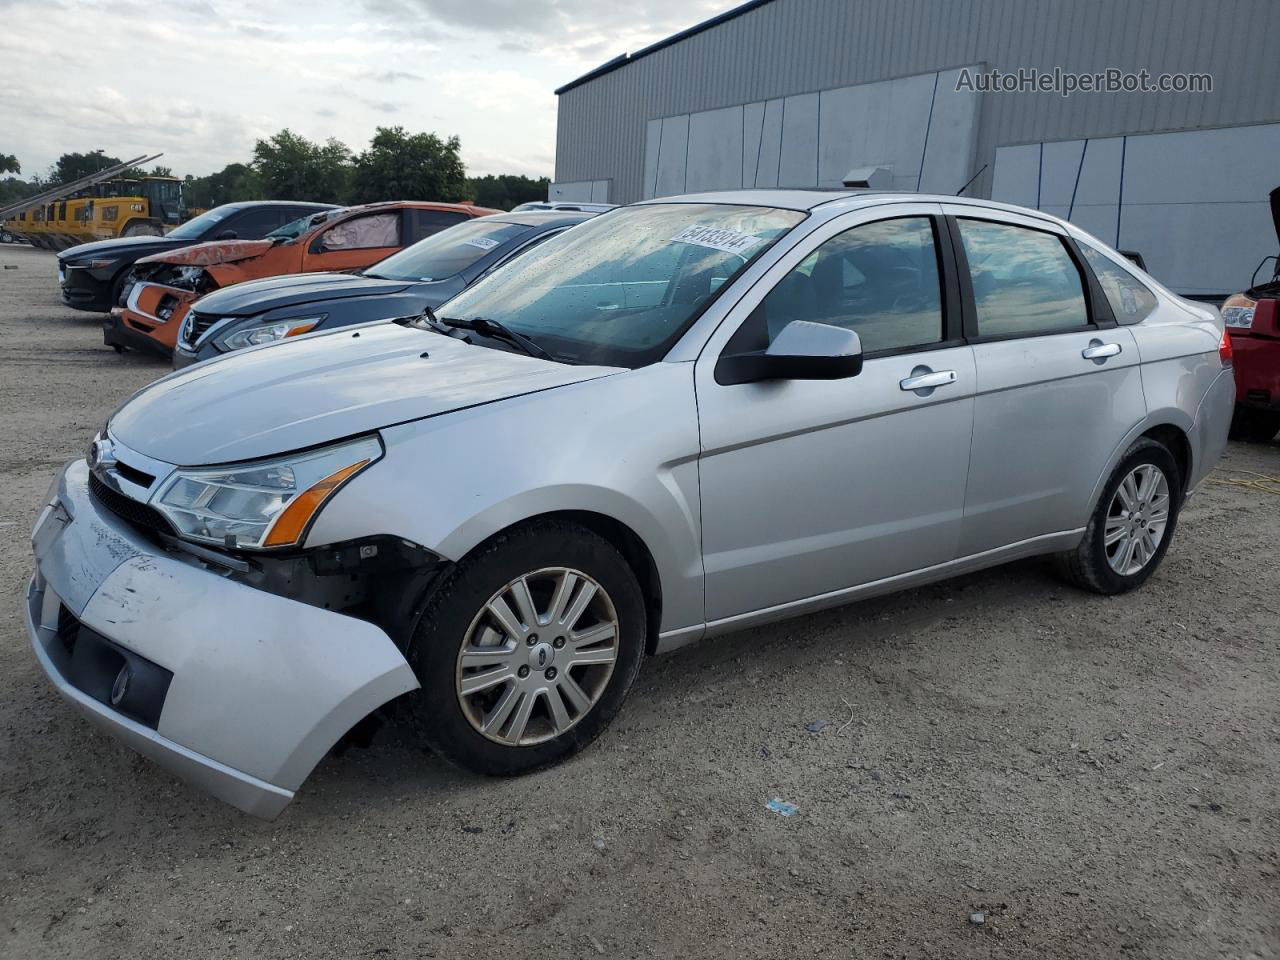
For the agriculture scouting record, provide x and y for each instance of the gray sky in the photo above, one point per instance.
(200, 80)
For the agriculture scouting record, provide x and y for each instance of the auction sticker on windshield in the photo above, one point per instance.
(484, 243)
(730, 241)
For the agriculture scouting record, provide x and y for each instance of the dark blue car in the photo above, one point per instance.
(426, 274)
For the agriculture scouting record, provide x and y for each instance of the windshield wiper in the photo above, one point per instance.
(492, 328)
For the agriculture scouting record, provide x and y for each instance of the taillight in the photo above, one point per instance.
(1224, 349)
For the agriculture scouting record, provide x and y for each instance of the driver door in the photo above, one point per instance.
(354, 243)
(811, 487)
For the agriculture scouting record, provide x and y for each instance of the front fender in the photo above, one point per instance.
(623, 446)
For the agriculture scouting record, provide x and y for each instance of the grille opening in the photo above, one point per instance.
(134, 475)
(197, 325)
(138, 514)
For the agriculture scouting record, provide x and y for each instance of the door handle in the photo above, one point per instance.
(927, 381)
(1097, 350)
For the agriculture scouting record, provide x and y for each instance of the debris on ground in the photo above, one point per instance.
(783, 808)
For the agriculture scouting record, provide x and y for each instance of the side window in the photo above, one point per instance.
(363, 233)
(421, 224)
(1128, 296)
(878, 279)
(1024, 281)
(253, 224)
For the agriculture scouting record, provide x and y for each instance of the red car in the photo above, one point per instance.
(1252, 319)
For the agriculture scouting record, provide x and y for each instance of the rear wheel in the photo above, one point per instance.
(1255, 426)
(1132, 525)
(527, 651)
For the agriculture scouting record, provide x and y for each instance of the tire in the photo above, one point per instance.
(1094, 565)
(1255, 426)
(478, 731)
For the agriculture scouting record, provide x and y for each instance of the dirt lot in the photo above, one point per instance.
(1098, 777)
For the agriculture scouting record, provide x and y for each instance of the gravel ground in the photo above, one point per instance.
(1095, 777)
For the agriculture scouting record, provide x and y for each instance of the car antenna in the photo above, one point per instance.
(969, 182)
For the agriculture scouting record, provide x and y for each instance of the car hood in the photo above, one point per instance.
(272, 293)
(286, 396)
(215, 251)
(133, 246)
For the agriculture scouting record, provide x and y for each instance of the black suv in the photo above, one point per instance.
(92, 274)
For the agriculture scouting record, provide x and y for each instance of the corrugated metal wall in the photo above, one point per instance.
(795, 46)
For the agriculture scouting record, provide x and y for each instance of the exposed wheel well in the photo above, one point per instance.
(633, 550)
(1176, 442)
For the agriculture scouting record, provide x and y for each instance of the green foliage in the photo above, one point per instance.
(403, 166)
(294, 168)
(12, 190)
(234, 182)
(397, 165)
(73, 166)
(506, 190)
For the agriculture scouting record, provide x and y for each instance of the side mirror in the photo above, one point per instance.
(227, 235)
(804, 350)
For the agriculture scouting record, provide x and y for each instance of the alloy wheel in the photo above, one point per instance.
(1136, 519)
(537, 656)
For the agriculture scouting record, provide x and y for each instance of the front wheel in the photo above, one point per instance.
(1132, 525)
(528, 649)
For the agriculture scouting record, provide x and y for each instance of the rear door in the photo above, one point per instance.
(1058, 382)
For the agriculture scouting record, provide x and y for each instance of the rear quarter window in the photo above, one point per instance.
(1130, 299)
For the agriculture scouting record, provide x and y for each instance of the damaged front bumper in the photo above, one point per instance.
(238, 691)
(150, 319)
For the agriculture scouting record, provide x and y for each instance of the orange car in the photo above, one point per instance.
(162, 287)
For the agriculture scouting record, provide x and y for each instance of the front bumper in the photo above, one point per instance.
(118, 331)
(182, 357)
(261, 686)
(1257, 370)
(83, 289)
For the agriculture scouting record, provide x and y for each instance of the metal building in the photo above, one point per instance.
(820, 92)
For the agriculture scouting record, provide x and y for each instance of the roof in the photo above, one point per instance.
(810, 199)
(244, 204)
(622, 60)
(541, 218)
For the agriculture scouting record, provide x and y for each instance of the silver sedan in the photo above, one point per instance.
(680, 418)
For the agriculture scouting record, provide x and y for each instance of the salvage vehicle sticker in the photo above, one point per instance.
(484, 243)
(730, 241)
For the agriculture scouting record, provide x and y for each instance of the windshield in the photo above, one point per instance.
(443, 254)
(295, 228)
(195, 228)
(620, 289)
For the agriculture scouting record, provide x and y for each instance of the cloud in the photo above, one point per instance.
(391, 76)
(220, 74)
(584, 29)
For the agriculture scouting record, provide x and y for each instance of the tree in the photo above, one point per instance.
(159, 171)
(73, 166)
(292, 167)
(404, 166)
(234, 182)
(9, 163)
(506, 190)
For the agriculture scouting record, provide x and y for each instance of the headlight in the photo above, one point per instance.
(1239, 318)
(266, 333)
(261, 505)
